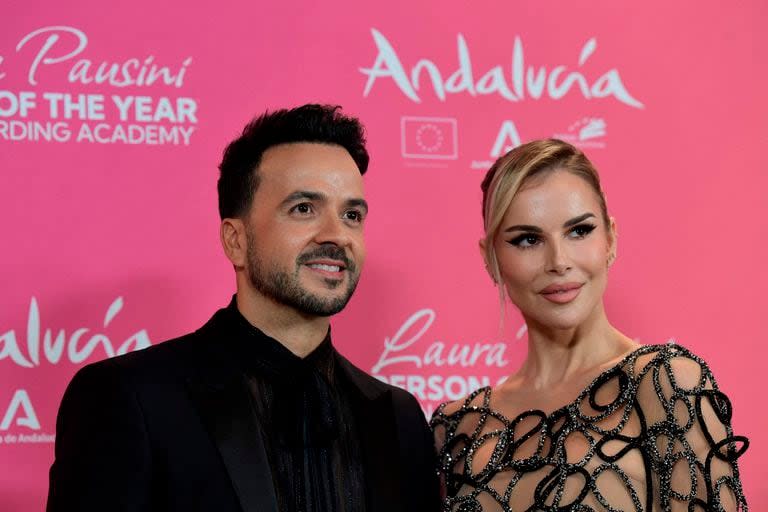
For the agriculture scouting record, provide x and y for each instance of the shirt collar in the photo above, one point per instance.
(256, 350)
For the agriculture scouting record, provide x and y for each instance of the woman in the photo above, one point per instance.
(591, 420)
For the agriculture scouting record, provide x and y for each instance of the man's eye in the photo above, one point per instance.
(353, 215)
(302, 208)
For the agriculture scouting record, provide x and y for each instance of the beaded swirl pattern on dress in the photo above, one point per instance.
(662, 441)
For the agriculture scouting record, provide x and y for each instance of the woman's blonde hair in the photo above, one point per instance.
(512, 170)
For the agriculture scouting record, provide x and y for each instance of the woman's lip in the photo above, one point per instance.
(560, 287)
(562, 294)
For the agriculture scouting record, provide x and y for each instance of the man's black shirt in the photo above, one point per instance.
(306, 412)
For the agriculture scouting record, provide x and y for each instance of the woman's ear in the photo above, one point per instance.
(613, 236)
(482, 245)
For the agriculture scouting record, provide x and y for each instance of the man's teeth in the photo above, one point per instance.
(327, 268)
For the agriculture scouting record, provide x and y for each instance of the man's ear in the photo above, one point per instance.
(234, 241)
(613, 241)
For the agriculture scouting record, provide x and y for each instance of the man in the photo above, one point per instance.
(256, 411)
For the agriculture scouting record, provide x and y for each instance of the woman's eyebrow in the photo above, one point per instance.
(576, 220)
(524, 227)
(535, 229)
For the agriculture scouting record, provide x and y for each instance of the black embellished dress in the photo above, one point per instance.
(652, 433)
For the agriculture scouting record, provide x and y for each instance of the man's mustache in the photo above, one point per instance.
(333, 252)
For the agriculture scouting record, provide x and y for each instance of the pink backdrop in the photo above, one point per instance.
(108, 169)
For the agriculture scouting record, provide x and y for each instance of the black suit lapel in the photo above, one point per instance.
(228, 415)
(378, 439)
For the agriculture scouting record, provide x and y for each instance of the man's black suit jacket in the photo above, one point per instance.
(171, 427)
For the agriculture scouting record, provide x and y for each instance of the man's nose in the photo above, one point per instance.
(333, 230)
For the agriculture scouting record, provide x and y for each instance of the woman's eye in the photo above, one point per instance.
(525, 241)
(581, 230)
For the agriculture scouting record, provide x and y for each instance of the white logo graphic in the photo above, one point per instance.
(429, 137)
(427, 368)
(593, 128)
(95, 117)
(585, 133)
(514, 83)
(506, 140)
(20, 400)
(135, 71)
(52, 345)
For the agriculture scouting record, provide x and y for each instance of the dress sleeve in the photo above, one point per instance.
(439, 433)
(693, 448)
(454, 426)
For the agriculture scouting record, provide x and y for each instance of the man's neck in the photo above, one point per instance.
(298, 332)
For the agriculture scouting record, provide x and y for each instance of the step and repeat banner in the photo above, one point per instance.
(113, 118)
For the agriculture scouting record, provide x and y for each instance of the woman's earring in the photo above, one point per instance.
(493, 277)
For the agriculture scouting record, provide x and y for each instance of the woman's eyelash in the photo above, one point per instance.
(583, 230)
(525, 240)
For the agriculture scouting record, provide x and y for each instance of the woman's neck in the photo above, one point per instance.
(557, 355)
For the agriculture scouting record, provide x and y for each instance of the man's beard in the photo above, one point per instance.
(285, 288)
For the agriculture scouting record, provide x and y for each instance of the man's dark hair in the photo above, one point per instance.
(324, 124)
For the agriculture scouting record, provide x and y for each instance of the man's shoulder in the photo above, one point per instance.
(162, 360)
(168, 359)
(169, 352)
(373, 387)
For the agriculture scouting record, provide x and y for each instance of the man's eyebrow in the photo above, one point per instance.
(535, 229)
(360, 203)
(303, 194)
